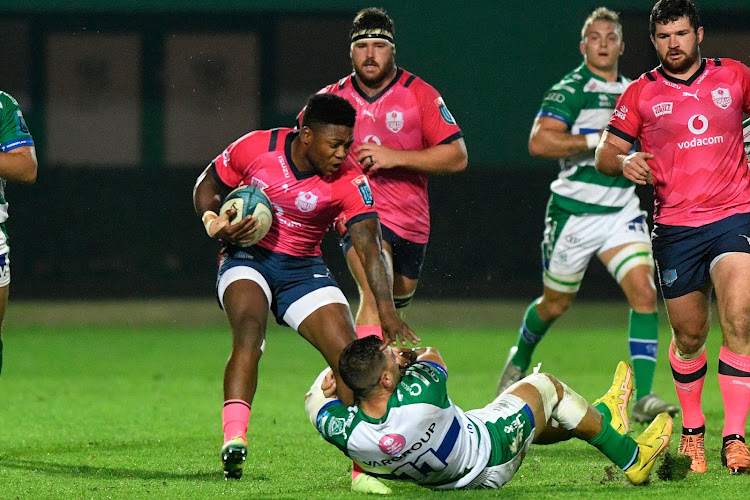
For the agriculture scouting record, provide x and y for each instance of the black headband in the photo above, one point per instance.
(373, 33)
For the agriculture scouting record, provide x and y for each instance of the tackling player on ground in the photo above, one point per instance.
(405, 427)
(687, 115)
(310, 179)
(591, 214)
(17, 163)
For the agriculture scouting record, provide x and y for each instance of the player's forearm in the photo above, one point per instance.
(554, 144)
(206, 193)
(609, 159)
(441, 159)
(19, 165)
(366, 241)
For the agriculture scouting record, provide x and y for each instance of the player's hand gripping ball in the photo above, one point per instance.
(250, 200)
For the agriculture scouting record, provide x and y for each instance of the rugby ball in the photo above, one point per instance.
(250, 200)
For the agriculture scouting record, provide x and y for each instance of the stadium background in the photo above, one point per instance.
(129, 100)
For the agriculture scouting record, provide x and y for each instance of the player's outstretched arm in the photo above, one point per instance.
(366, 239)
(550, 138)
(447, 158)
(19, 165)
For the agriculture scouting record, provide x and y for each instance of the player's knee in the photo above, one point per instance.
(689, 338)
(736, 322)
(629, 258)
(554, 306)
(549, 389)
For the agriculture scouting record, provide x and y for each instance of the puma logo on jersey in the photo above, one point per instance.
(746, 384)
(367, 113)
(688, 94)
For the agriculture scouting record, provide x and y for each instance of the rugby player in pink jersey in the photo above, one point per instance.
(687, 115)
(404, 132)
(310, 180)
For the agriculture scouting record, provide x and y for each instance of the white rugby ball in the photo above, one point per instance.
(250, 200)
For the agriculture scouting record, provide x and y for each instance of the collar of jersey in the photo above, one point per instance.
(585, 69)
(687, 82)
(363, 95)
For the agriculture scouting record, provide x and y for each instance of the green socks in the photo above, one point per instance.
(620, 449)
(643, 333)
(532, 331)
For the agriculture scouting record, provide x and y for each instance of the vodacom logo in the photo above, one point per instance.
(702, 122)
(373, 139)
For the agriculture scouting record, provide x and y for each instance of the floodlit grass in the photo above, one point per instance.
(108, 400)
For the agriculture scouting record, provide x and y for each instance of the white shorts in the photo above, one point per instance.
(571, 241)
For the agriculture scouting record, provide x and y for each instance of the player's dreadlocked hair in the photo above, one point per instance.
(361, 364)
(372, 20)
(666, 11)
(328, 109)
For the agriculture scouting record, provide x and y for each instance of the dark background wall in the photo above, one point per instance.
(129, 230)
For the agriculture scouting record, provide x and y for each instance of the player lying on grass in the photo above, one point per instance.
(405, 427)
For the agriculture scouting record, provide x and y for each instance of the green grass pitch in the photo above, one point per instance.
(123, 400)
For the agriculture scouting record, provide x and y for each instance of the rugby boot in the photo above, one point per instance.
(653, 442)
(692, 445)
(649, 406)
(511, 373)
(233, 455)
(618, 397)
(368, 484)
(734, 456)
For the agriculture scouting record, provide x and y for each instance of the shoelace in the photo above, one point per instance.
(736, 447)
(693, 446)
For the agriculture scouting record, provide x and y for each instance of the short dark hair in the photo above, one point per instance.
(372, 18)
(328, 109)
(361, 364)
(667, 11)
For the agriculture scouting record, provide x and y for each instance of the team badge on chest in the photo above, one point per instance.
(306, 201)
(394, 120)
(722, 97)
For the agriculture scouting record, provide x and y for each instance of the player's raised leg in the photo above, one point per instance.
(730, 275)
(551, 400)
(246, 307)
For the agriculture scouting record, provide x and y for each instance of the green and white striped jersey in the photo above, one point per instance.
(423, 437)
(746, 136)
(13, 134)
(585, 102)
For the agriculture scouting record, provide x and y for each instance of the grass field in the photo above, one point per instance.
(123, 400)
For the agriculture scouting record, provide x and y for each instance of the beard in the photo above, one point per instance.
(377, 80)
(681, 66)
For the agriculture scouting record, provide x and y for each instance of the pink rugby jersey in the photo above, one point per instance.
(305, 204)
(693, 129)
(409, 114)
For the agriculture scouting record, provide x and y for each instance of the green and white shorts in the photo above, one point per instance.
(510, 423)
(571, 241)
